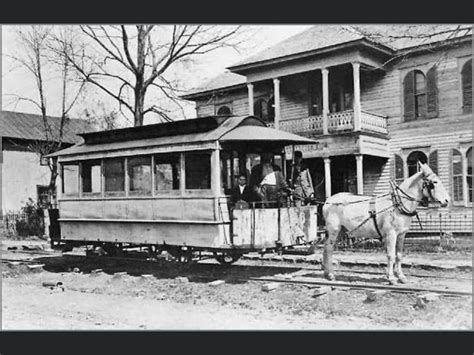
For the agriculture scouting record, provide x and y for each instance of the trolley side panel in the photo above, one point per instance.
(182, 234)
(263, 228)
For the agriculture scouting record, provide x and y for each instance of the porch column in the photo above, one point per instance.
(465, 190)
(360, 174)
(327, 176)
(216, 172)
(250, 96)
(276, 91)
(325, 74)
(356, 75)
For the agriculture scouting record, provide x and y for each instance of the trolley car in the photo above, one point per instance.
(166, 186)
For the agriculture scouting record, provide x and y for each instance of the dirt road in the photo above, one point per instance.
(180, 297)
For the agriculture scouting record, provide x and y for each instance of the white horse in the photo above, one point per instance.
(392, 211)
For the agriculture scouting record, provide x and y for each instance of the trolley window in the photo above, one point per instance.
(166, 172)
(91, 176)
(114, 176)
(139, 173)
(198, 171)
(71, 180)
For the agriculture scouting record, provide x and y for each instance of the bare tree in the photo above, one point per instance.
(43, 59)
(413, 36)
(127, 62)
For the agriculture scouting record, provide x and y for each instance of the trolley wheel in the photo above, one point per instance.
(226, 258)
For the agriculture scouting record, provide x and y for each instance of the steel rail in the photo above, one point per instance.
(336, 284)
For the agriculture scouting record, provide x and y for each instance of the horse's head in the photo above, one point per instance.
(432, 188)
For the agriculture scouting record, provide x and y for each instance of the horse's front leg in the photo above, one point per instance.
(390, 244)
(398, 260)
(332, 233)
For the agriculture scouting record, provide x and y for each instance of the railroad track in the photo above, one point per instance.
(291, 277)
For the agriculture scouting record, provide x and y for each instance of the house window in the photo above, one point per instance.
(167, 172)
(399, 174)
(420, 94)
(114, 175)
(91, 177)
(224, 111)
(260, 109)
(412, 161)
(198, 171)
(271, 109)
(456, 163)
(466, 75)
(70, 180)
(44, 161)
(469, 174)
(43, 196)
(139, 175)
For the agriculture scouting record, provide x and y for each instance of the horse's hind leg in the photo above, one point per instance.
(398, 260)
(390, 244)
(332, 228)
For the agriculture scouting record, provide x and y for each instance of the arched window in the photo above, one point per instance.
(420, 94)
(224, 111)
(469, 174)
(412, 161)
(456, 173)
(466, 75)
(271, 109)
(399, 175)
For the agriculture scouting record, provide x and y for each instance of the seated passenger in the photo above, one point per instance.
(268, 184)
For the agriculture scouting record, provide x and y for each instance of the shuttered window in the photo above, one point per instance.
(409, 96)
(432, 93)
(469, 174)
(420, 94)
(398, 171)
(433, 161)
(456, 171)
(412, 161)
(467, 87)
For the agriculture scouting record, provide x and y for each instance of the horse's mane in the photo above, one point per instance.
(408, 183)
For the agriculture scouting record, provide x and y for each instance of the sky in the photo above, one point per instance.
(16, 81)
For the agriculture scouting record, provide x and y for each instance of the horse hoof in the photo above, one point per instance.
(330, 277)
(392, 281)
(403, 280)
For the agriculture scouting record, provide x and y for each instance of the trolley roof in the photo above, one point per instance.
(182, 135)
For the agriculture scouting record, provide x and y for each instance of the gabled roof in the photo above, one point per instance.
(394, 38)
(233, 128)
(29, 126)
(226, 80)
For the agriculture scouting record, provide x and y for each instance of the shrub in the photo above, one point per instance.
(33, 222)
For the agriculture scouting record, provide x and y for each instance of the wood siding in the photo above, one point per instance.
(382, 94)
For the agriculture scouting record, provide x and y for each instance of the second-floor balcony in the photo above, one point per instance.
(338, 122)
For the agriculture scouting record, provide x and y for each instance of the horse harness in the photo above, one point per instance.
(397, 203)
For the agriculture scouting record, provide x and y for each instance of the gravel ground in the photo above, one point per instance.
(180, 297)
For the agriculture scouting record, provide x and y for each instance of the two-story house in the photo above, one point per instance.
(376, 98)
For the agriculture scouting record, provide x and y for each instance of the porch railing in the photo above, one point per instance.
(341, 121)
(337, 122)
(373, 122)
